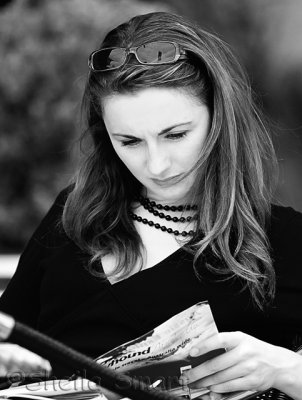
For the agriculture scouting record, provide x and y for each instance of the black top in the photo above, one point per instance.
(53, 291)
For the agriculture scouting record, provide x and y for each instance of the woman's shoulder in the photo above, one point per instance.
(285, 229)
(283, 214)
(59, 202)
(284, 217)
(50, 231)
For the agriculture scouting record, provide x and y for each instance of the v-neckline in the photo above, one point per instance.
(139, 274)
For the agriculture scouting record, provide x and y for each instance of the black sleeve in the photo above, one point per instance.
(21, 297)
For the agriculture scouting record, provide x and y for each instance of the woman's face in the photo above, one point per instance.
(158, 133)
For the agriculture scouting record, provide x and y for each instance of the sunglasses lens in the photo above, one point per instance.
(156, 52)
(108, 58)
(149, 53)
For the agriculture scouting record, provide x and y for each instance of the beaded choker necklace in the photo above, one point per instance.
(153, 208)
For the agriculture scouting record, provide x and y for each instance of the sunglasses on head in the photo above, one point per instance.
(153, 53)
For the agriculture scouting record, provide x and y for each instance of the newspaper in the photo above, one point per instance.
(79, 389)
(157, 358)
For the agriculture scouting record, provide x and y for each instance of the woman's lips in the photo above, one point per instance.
(168, 181)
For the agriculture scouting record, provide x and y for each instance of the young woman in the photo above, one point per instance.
(172, 206)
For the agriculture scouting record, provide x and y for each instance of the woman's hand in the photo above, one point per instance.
(14, 358)
(248, 364)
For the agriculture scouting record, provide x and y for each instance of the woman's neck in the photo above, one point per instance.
(166, 201)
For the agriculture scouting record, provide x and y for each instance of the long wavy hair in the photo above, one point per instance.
(235, 177)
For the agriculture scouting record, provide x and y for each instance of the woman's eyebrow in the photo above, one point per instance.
(162, 132)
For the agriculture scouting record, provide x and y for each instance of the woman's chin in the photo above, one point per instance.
(168, 195)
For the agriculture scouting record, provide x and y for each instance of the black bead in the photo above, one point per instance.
(152, 203)
(162, 227)
(155, 212)
(180, 208)
(182, 219)
(161, 215)
(159, 206)
(173, 208)
(167, 208)
(189, 219)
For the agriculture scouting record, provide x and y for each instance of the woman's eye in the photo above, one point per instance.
(170, 136)
(175, 136)
(131, 142)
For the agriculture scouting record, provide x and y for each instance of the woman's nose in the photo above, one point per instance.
(158, 162)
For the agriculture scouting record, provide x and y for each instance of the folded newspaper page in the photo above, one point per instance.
(79, 389)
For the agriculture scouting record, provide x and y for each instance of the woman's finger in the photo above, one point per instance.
(242, 383)
(219, 376)
(15, 358)
(210, 367)
(224, 361)
(227, 340)
(233, 356)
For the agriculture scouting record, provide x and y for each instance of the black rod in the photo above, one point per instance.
(53, 350)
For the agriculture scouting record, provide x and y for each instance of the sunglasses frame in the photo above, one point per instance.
(179, 54)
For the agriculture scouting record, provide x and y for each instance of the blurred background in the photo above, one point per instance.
(43, 51)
